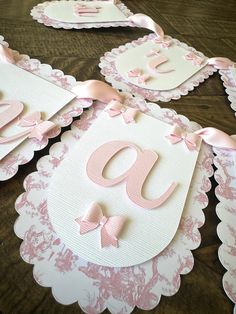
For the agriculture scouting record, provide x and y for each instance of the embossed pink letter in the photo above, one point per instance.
(15, 108)
(135, 176)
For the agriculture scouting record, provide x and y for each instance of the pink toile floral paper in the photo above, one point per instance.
(95, 287)
(230, 87)
(108, 69)
(225, 161)
(25, 152)
(38, 14)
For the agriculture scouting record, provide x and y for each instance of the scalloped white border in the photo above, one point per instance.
(225, 176)
(108, 69)
(230, 87)
(57, 267)
(25, 151)
(37, 14)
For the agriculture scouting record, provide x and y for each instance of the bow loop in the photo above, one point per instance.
(116, 108)
(110, 226)
(31, 120)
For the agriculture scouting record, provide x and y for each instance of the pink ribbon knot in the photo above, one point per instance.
(196, 60)
(38, 127)
(177, 135)
(110, 226)
(115, 108)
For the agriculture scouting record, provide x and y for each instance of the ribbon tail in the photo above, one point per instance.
(107, 239)
(191, 146)
(217, 138)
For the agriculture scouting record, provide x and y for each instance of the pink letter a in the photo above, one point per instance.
(134, 177)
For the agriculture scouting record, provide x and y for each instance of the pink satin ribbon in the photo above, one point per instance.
(196, 60)
(6, 55)
(116, 108)
(216, 138)
(221, 63)
(211, 136)
(142, 20)
(97, 90)
(37, 128)
(110, 226)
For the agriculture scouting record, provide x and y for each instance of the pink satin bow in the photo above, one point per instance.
(115, 108)
(177, 135)
(94, 89)
(211, 136)
(37, 128)
(6, 54)
(110, 226)
(196, 60)
(165, 43)
(221, 63)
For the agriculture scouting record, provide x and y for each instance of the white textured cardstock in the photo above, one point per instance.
(136, 57)
(63, 11)
(34, 92)
(146, 232)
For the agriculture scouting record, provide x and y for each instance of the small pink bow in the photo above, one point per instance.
(142, 78)
(6, 55)
(110, 226)
(38, 127)
(115, 108)
(196, 60)
(164, 43)
(177, 135)
(153, 52)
